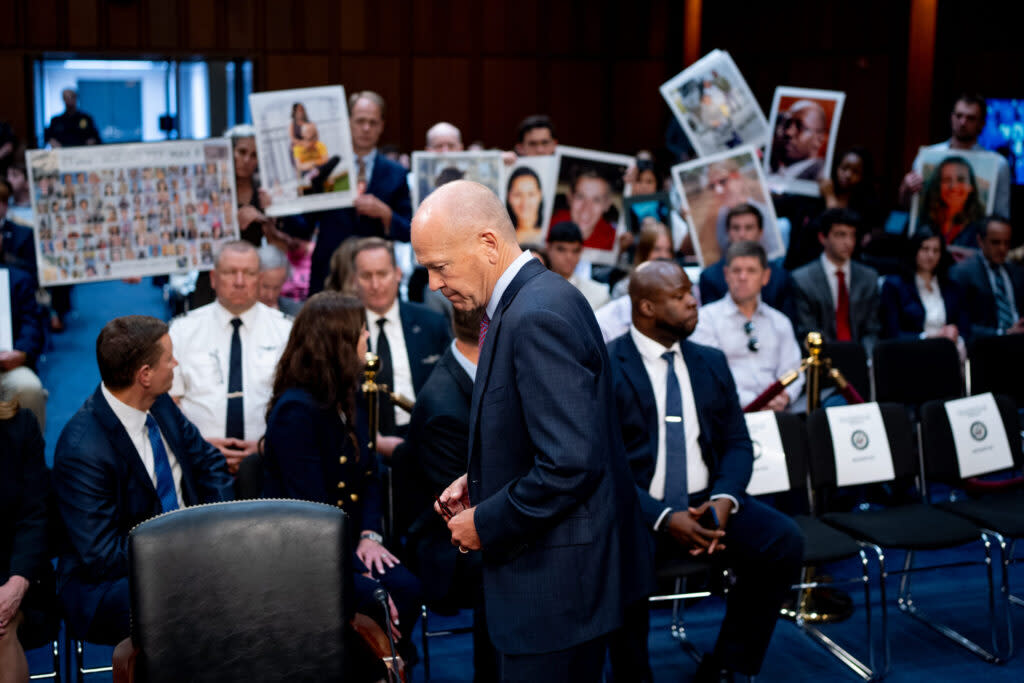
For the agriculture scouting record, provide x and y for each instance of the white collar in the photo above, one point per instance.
(504, 281)
(649, 349)
(831, 268)
(248, 317)
(391, 315)
(734, 309)
(130, 417)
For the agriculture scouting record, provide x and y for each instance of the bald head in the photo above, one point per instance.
(444, 137)
(463, 236)
(664, 307)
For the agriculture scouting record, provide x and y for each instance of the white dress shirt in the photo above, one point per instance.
(202, 347)
(465, 363)
(595, 293)
(934, 306)
(134, 422)
(401, 370)
(833, 281)
(615, 317)
(720, 325)
(504, 281)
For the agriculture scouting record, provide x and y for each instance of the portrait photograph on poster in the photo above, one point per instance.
(431, 170)
(123, 211)
(804, 125)
(529, 191)
(304, 145)
(712, 186)
(958, 191)
(714, 105)
(589, 193)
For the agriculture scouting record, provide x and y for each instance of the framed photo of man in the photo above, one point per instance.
(958, 191)
(119, 211)
(804, 125)
(304, 144)
(714, 105)
(710, 187)
(431, 170)
(530, 191)
(589, 193)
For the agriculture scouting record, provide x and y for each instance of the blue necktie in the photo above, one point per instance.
(162, 467)
(676, 494)
(235, 428)
(1004, 311)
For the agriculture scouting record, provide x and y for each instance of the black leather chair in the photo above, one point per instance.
(915, 371)
(851, 359)
(996, 366)
(249, 481)
(240, 591)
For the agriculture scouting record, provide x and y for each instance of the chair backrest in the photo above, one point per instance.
(996, 366)
(793, 431)
(916, 371)
(247, 590)
(898, 431)
(851, 359)
(249, 482)
(940, 459)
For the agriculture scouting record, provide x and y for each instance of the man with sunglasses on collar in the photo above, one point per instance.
(757, 340)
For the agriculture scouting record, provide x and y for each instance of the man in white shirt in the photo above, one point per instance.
(565, 248)
(227, 355)
(757, 340)
(409, 338)
(691, 458)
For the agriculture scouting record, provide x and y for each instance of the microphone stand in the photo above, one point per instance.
(381, 596)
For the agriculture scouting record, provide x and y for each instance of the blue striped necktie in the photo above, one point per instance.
(162, 468)
(676, 494)
(1004, 311)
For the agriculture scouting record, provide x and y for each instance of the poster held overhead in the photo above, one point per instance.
(804, 125)
(430, 170)
(530, 191)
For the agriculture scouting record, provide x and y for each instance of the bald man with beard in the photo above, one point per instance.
(799, 137)
(548, 499)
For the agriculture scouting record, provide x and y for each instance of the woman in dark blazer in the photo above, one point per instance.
(314, 437)
(922, 301)
(27, 590)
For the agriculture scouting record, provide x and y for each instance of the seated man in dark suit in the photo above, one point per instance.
(382, 209)
(409, 338)
(994, 288)
(18, 380)
(432, 456)
(744, 222)
(834, 294)
(690, 452)
(128, 454)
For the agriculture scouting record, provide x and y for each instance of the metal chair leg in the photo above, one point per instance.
(426, 647)
(54, 674)
(1000, 602)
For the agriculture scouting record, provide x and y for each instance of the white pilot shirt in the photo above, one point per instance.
(401, 370)
(202, 347)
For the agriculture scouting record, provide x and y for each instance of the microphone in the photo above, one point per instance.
(381, 596)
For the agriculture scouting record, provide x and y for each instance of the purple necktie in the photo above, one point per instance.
(484, 323)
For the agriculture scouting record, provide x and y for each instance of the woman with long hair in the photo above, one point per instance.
(952, 203)
(525, 205)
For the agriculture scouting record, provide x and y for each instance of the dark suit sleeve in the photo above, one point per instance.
(29, 548)
(891, 306)
(291, 437)
(401, 210)
(441, 450)
(872, 323)
(729, 434)
(25, 318)
(556, 378)
(785, 295)
(806, 317)
(213, 481)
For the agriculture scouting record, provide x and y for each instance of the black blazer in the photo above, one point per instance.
(26, 319)
(564, 551)
(724, 440)
(427, 336)
(972, 275)
(19, 247)
(103, 491)
(388, 184)
(25, 498)
(903, 312)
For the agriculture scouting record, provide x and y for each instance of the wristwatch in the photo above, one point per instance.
(373, 536)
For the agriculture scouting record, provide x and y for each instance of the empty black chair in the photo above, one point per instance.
(851, 359)
(912, 372)
(997, 366)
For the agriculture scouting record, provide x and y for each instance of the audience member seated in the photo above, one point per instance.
(967, 120)
(313, 445)
(757, 340)
(536, 136)
(274, 272)
(565, 248)
(689, 451)
(128, 454)
(923, 302)
(20, 204)
(835, 295)
(227, 352)
(18, 380)
(654, 242)
(746, 222)
(17, 243)
(431, 457)
(26, 577)
(383, 208)
(408, 338)
(444, 137)
(993, 287)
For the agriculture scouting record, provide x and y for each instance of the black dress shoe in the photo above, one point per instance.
(711, 670)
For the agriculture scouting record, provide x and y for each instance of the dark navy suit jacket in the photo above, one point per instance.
(778, 293)
(26, 320)
(388, 184)
(564, 551)
(724, 440)
(19, 247)
(979, 299)
(103, 491)
(903, 313)
(427, 335)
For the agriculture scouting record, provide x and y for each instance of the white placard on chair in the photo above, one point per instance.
(6, 323)
(860, 444)
(979, 435)
(770, 473)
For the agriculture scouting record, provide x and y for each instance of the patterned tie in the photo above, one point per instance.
(385, 376)
(235, 428)
(842, 308)
(676, 494)
(361, 173)
(161, 467)
(1004, 311)
(485, 322)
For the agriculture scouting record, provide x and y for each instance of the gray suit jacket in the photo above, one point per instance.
(980, 301)
(815, 309)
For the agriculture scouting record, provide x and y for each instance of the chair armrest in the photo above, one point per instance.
(124, 661)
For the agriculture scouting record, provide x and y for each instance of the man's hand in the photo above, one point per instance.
(463, 528)
(912, 183)
(683, 527)
(235, 451)
(386, 445)
(375, 556)
(456, 497)
(249, 214)
(950, 332)
(723, 508)
(11, 594)
(368, 205)
(509, 158)
(1018, 327)
(12, 359)
(779, 403)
